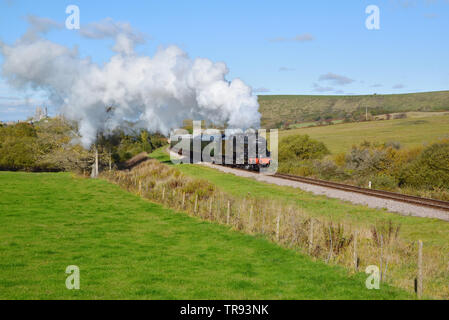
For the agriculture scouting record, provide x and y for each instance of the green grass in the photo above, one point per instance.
(302, 108)
(129, 248)
(418, 129)
(431, 231)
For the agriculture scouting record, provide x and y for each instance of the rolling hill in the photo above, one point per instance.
(276, 109)
(419, 128)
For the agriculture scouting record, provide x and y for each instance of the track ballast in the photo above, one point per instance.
(432, 203)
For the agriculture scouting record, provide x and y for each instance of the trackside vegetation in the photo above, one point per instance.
(422, 171)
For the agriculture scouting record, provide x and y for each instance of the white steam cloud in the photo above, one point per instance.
(156, 92)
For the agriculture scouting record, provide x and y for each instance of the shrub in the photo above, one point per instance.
(201, 187)
(384, 182)
(365, 160)
(393, 144)
(301, 147)
(327, 169)
(430, 169)
(303, 168)
(340, 159)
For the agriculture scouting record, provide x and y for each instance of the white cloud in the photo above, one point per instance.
(108, 28)
(125, 36)
(39, 25)
(335, 79)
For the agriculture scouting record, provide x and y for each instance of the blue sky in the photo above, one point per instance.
(277, 47)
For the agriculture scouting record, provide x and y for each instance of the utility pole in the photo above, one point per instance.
(94, 173)
(110, 160)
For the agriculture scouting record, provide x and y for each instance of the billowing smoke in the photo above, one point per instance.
(156, 93)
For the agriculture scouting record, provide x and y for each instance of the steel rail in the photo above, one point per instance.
(432, 203)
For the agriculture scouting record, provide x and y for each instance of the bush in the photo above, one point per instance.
(18, 147)
(301, 147)
(430, 169)
(303, 168)
(365, 160)
(340, 159)
(201, 187)
(384, 182)
(327, 169)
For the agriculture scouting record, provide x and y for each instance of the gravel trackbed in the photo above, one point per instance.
(357, 198)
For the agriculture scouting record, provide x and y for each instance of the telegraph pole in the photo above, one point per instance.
(95, 165)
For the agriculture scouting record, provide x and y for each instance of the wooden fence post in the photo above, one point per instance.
(210, 207)
(356, 262)
(420, 271)
(381, 256)
(228, 213)
(217, 212)
(195, 209)
(251, 218)
(311, 236)
(183, 199)
(278, 226)
(263, 220)
(163, 194)
(331, 247)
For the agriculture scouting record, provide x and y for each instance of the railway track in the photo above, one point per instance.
(425, 202)
(432, 203)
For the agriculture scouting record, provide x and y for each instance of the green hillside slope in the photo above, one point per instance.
(297, 108)
(416, 130)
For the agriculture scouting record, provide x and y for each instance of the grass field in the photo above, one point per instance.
(302, 108)
(431, 231)
(418, 129)
(130, 248)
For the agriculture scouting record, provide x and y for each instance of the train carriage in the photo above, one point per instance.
(248, 151)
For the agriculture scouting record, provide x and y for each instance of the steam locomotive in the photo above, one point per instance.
(246, 151)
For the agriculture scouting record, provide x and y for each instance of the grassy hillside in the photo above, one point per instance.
(129, 248)
(417, 129)
(295, 109)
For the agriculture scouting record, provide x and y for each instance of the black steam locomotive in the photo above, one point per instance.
(240, 150)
